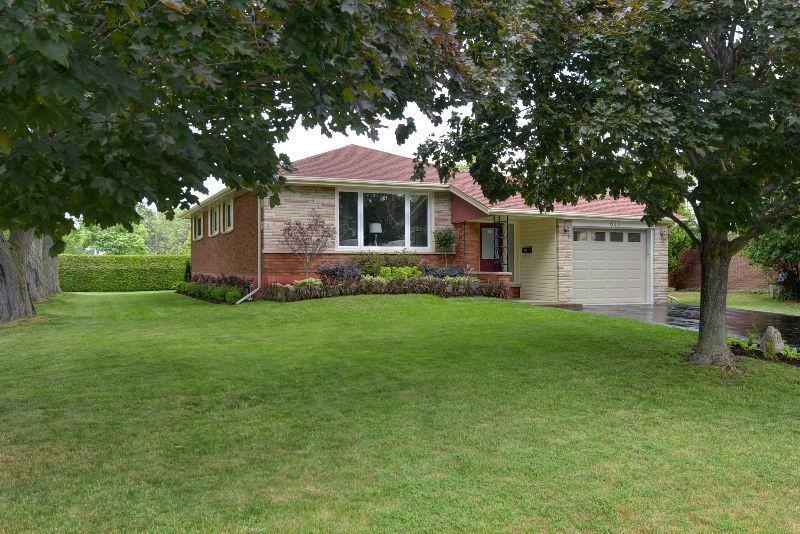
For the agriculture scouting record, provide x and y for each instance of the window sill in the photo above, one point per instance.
(352, 250)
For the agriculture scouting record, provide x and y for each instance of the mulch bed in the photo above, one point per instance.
(739, 351)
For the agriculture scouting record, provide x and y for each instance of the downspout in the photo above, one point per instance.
(260, 258)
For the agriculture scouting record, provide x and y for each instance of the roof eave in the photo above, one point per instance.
(216, 197)
(321, 180)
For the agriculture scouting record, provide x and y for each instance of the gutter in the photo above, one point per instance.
(249, 296)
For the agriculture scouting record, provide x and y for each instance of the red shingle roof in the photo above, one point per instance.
(353, 162)
(622, 207)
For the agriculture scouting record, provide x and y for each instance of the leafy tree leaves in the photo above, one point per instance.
(660, 102)
(106, 103)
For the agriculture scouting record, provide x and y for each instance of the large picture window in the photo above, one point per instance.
(383, 220)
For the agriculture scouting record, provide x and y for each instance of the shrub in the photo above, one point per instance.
(120, 273)
(307, 282)
(339, 271)
(404, 273)
(371, 262)
(308, 239)
(444, 239)
(442, 272)
(404, 258)
(791, 353)
(210, 292)
(224, 280)
(463, 287)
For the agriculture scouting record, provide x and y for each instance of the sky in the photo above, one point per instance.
(303, 143)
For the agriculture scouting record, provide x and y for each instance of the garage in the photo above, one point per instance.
(610, 266)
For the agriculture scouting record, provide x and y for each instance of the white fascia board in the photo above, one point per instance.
(216, 197)
(372, 184)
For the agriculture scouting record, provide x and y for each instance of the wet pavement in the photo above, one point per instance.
(688, 316)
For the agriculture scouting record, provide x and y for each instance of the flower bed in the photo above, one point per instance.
(463, 286)
(748, 348)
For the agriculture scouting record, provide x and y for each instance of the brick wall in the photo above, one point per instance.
(742, 274)
(468, 245)
(232, 253)
(564, 260)
(660, 264)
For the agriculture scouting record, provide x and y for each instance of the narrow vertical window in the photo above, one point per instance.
(419, 220)
(213, 221)
(198, 227)
(348, 219)
(227, 216)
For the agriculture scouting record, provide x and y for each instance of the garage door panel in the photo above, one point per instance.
(609, 272)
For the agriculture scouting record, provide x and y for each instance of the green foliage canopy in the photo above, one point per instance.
(661, 101)
(105, 103)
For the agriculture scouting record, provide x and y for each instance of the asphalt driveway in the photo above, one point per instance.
(688, 316)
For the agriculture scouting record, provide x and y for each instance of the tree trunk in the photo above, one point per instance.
(15, 302)
(52, 282)
(715, 259)
(28, 248)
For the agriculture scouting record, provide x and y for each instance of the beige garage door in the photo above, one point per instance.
(610, 267)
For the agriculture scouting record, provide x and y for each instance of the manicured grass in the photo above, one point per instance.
(744, 300)
(153, 411)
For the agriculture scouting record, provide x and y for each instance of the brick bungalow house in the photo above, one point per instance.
(593, 253)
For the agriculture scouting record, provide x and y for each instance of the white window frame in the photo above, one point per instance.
(225, 227)
(213, 217)
(197, 236)
(360, 218)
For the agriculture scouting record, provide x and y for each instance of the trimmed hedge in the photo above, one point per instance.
(120, 273)
(210, 292)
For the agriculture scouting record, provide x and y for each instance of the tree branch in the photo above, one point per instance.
(739, 243)
(682, 224)
(771, 216)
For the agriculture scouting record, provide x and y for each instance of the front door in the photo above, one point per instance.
(488, 239)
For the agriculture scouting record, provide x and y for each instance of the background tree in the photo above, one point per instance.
(92, 239)
(779, 250)
(307, 240)
(153, 234)
(662, 101)
(103, 104)
(679, 241)
(165, 236)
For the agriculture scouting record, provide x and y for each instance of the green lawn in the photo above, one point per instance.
(744, 300)
(153, 411)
